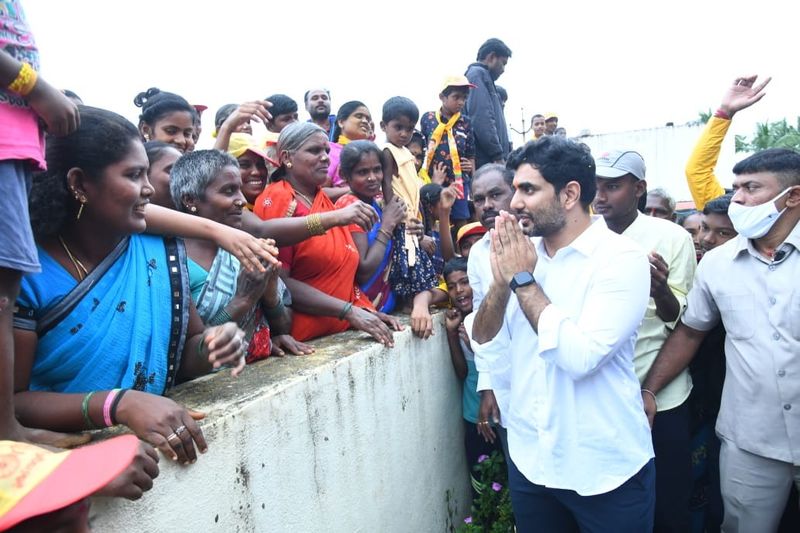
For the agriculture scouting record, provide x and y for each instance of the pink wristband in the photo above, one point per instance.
(107, 407)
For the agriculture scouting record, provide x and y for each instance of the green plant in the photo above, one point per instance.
(778, 134)
(491, 510)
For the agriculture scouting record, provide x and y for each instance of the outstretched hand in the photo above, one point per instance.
(742, 94)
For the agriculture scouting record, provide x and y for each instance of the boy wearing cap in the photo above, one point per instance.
(620, 184)
(550, 123)
(451, 143)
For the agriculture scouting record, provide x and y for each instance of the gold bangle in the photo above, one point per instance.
(314, 224)
(25, 81)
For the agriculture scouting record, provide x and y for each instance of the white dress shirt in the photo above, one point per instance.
(497, 379)
(575, 418)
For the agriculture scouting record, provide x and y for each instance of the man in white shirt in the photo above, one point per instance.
(563, 310)
(750, 283)
(620, 185)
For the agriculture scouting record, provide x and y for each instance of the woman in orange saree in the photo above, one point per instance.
(320, 272)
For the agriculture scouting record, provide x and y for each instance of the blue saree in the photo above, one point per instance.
(123, 326)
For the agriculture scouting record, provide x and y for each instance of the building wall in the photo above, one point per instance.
(356, 437)
(665, 151)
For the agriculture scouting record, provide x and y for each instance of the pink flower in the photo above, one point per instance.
(468, 520)
(482, 458)
(496, 487)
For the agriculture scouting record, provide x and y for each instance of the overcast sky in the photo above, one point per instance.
(602, 66)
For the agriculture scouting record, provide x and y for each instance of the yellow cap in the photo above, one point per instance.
(456, 81)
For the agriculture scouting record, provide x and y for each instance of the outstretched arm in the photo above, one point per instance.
(703, 183)
(250, 251)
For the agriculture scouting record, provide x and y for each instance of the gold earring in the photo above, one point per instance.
(288, 164)
(80, 209)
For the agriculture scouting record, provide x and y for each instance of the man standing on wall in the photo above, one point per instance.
(483, 104)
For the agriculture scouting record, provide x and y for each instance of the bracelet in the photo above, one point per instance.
(107, 407)
(314, 224)
(653, 394)
(388, 235)
(116, 403)
(25, 81)
(720, 113)
(274, 312)
(346, 309)
(220, 318)
(383, 242)
(85, 410)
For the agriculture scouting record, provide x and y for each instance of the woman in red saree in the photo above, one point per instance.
(320, 272)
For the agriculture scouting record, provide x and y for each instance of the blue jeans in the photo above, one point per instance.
(627, 509)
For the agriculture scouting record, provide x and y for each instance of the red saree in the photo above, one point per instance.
(326, 262)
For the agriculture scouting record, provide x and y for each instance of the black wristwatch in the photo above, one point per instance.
(521, 279)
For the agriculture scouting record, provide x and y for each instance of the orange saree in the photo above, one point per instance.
(326, 262)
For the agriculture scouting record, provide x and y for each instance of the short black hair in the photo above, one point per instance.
(456, 264)
(399, 106)
(719, 205)
(559, 161)
(223, 113)
(784, 163)
(305, 96)
(495, 46)
(450, 89)
(281, 104)
(502, 93)
(507, 173)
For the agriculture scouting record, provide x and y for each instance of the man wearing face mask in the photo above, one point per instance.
(750, 284)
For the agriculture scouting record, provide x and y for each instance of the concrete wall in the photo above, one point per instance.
(353, 438)
(665, 151)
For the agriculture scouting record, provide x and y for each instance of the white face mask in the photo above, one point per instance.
(755, 221)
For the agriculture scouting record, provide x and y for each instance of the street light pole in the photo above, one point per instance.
(524, 129)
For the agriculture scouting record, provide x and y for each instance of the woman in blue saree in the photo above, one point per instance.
(107, 326)
(360, 167)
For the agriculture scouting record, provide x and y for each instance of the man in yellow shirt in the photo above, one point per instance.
(703, 183)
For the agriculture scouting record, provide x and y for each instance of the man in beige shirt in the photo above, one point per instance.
(751, 284)
(620, 185)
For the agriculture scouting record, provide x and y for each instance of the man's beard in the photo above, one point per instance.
(319, 115)
(545, 222)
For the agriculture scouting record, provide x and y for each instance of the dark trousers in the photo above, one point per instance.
(475, 446)
(626, 509)
(672, 447)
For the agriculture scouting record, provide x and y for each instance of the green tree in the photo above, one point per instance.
(778, 134)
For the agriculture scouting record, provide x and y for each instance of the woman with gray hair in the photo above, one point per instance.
(320, 271)
(207, 183)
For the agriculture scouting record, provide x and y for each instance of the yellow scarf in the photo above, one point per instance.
(342, 140)
(436, 139)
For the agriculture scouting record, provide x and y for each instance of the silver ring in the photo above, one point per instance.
(179, 431)
(172, 436)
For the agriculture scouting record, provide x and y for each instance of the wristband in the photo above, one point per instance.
(115, 404)
(220, 318)
(107, 407)
(653, 394)
(720, 113)
(25, 81)
(346, 309)
(85, 410)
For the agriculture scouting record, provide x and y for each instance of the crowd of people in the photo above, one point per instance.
(600, 339)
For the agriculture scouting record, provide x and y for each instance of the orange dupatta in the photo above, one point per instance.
(326, 262)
